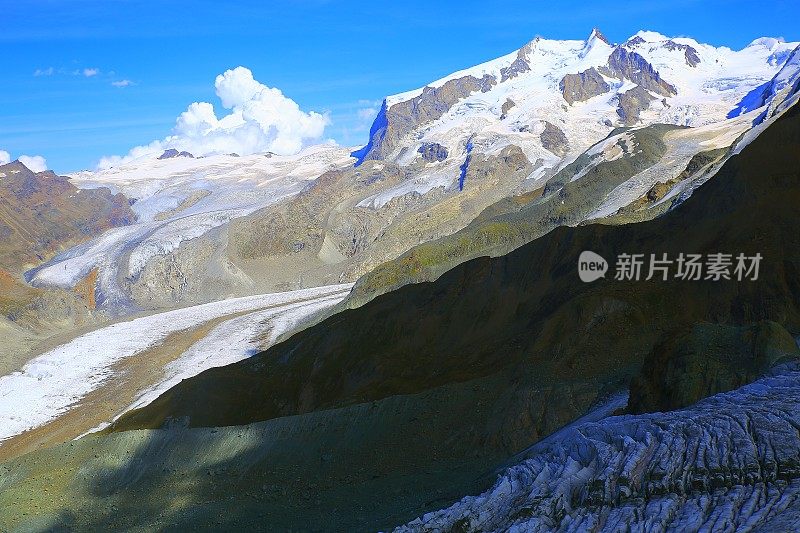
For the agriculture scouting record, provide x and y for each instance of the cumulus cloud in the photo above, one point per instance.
(49, 71)
(261, 119)
(89, 72)
(36, 163)
(122, 83)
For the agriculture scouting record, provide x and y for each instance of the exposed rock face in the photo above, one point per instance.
(634, 41)
(707, 359)
(631, 103)
(582, 86)
(520, 64)
(278, 230)
(692, 59)
(510, 160)
(432, 152)
(597, 34)
(729, 463)
(565, 201)
(172, 153)
(196, 272)
(507, 106)
(41, 213)
(624, 64)
(392, 123)
(553, 139)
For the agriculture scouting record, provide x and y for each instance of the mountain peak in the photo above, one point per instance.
(767, 42)
(15, 167)
(539, 78)
(650, 36)
(596, 44)
(597, 35)
(172, 153)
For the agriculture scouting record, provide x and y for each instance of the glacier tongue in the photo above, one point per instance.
(728, 463)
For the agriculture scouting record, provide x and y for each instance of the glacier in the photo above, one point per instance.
(57, 381)
(729, 463)
(235, 187)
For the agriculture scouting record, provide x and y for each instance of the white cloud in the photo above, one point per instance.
(261, 119)
(367, 113)
(122, 83)
(49, 71)
(89, 72)
(35, 163)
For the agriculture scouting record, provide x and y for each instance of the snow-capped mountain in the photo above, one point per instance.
(179, 199)
(211, 348)
(561, 103)
(553, 97)
(517, 120)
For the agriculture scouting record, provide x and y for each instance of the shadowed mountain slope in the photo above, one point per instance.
(528, 309)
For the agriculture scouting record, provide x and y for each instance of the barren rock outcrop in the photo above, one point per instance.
(396, 121)
(583, 85)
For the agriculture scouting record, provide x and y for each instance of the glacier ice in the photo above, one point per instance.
(729, 463)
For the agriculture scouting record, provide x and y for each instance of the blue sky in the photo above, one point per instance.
(335, 57)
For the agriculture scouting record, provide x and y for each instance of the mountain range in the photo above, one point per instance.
(361, 338)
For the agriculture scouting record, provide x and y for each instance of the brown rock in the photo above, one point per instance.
(582, 86)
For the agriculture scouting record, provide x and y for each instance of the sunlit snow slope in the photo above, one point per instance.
(63, 378)
(555, 98)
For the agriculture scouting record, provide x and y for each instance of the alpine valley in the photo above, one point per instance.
(395, 336)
